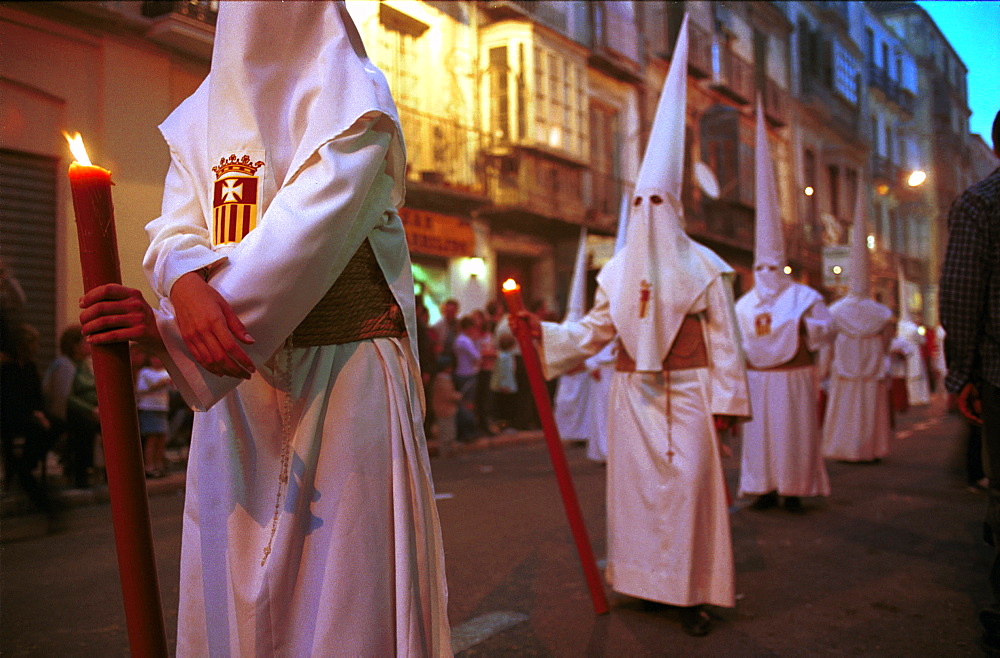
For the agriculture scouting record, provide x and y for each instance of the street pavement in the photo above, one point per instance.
(891, 564)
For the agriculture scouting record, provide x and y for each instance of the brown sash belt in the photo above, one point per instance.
(688, 350)
(803, 357)
(358, 306)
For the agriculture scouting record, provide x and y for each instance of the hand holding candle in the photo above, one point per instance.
(522, 324)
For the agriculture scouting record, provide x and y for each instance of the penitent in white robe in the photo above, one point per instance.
(856, 423)
(668, 524)
(781, 445)
(917, 387)
(345, 558)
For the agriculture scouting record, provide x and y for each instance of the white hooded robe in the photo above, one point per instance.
(310, 526)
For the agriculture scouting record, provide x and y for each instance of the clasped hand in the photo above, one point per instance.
(210, 328)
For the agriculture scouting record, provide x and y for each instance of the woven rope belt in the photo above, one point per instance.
(358, 306)
(688, 350)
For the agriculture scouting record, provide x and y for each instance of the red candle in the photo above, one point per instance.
(95, 223)
(533, 367)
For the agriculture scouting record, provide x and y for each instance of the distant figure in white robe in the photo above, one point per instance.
(783, 324)
(678, 369)
(856, 426)
(917, 387)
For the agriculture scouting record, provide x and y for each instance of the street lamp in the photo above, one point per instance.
(916, 178)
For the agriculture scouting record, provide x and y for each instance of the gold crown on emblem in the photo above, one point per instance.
(239, 165)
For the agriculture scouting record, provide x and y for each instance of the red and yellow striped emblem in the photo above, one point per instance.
(234, 200)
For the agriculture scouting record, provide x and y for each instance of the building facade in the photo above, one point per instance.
(525, 121)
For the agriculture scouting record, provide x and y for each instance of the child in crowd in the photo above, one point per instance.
(445, 399)
(153, 396)
(503, 383)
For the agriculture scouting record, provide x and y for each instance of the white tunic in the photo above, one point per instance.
(344, 558)
(668, 525)
(856, 424)
(781, 445)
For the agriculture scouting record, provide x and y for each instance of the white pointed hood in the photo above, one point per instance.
(243, 108)
(856, 314)
(859, 272)
(769, 239)
(660, 272)
(576, 304)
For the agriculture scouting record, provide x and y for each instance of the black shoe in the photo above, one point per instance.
(765, 501)
(695, 621)
(793, 504)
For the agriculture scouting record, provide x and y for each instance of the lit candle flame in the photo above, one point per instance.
(78, 149)
(510, 284)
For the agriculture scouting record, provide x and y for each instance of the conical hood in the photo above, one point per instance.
(576, 304)
(659, 174)
(859, 270)
(769, 240)
(657, 276)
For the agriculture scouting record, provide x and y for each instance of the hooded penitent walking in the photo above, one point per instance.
(309, 526)
(783, 324)
(856, 424)
(668, 299)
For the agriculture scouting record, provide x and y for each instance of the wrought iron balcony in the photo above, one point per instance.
(841, 115)
(186, 25)
(775, 103)
(441, 152)
(602, 196)
(700, 43)
(731, 74)
(531, 183)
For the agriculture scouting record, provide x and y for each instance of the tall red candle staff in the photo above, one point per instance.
(533, 366)
(95, 223)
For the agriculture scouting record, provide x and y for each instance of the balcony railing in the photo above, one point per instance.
(775, 103)
(534, 184)
(200, 10)
(186, 25)
(879, 78)
(725, 222)
(602, 195)
(843, 116)
(884, 170)
(732, 75)
(441, 151)
(699, 50)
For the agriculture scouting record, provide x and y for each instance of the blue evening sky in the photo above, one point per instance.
(973, 28)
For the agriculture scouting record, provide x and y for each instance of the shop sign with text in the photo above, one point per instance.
(433, 234)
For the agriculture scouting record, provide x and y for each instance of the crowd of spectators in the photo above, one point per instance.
(473, 375)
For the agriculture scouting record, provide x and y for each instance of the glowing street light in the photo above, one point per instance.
(809, 191)
(916, 178)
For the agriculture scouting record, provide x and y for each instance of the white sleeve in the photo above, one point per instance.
(727, 364)
(280, 271)
(565, 346)
(179, 241)
(819, 326)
